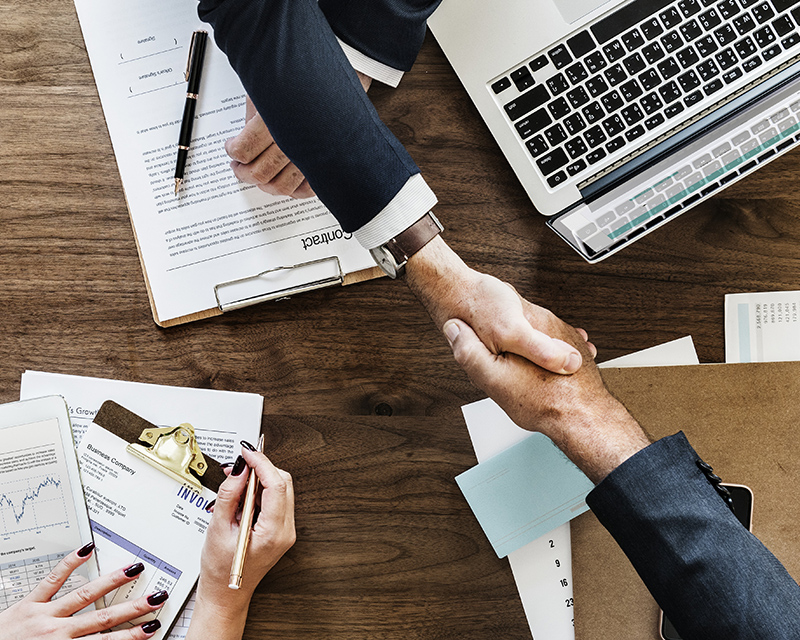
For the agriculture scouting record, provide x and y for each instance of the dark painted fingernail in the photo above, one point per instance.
(211, 504)
(247, 445)
(134, 570)
(85, 550)
(225, 465)
(238, 466)
(151, 627)
(157, 598)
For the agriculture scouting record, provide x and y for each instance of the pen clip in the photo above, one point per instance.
(189, 59)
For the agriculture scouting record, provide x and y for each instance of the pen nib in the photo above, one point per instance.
(178, 182)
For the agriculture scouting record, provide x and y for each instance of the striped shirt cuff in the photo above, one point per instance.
(372, 68)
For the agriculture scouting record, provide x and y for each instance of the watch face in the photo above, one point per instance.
(385, 261)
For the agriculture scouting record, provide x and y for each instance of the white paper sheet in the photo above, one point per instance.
(762, 327)
(218, 230)
(220, 418)
(543, 568)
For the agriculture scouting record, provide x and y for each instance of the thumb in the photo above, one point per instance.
(229, 495)
(470, 353)
(549, 353)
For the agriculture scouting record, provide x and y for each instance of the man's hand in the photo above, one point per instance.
(504, 321)
(577, 412)
(256, 159)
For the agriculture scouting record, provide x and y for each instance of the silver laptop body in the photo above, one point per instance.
(619, 116)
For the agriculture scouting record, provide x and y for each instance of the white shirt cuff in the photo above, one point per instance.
(412, 202)
(372, 68)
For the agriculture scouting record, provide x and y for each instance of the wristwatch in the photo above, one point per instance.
(393, 255)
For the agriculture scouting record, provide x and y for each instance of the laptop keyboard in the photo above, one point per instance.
(605, 92)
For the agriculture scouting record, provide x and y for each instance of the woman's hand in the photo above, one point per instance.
(272, 535)
(37, 616)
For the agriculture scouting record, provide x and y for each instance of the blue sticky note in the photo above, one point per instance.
(524, 492)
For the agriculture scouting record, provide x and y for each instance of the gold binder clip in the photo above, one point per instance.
(174, 451)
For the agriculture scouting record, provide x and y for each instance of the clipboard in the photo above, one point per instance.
(274, 284)
(148, 489)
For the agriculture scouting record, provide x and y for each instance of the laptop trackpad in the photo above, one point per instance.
(572, 10)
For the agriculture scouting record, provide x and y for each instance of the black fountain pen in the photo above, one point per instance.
(194, 69)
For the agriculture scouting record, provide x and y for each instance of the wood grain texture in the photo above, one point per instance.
(362, 396)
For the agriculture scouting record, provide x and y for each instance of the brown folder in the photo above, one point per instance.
(744, 420)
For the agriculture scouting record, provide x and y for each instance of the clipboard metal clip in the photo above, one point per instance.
(279, 283)
(174, 451)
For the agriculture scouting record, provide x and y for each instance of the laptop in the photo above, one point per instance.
(618, 116)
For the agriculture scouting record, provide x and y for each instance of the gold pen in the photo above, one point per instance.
(245, 524)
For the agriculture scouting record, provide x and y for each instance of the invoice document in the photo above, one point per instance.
(140, 514)
(221, 419)
(762, 327)
(203, 250)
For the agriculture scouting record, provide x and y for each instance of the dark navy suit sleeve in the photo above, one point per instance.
(712, 577)
(389, 31)
(302, 84)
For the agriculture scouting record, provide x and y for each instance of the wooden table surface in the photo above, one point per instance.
(362, 397)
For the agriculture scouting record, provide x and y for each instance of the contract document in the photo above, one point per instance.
(219, 244)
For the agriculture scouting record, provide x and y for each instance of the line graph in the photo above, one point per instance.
(36, 502)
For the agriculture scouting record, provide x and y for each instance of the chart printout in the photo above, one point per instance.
(38, 523)
(217, 230)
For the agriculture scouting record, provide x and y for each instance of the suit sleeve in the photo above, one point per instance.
(712, 577)
(299, 79)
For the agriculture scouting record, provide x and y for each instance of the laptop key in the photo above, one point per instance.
(689, 81)
(634, 64)
(557, 84)
(556, 179)
(707, 70)
(725, 35)
(668, 68)
(636, 132)
(763, 12)
(597, 86)
(744, 24)
(651, 28)
(615, 144)
(559, 56)
(632, 114)
(791, 41)
(623, 19)
(595, 136)
(752, 63)
(595, 156)
(733, 74)
(691, 30)
(769, 54)
(709, 19)
(606, 219)
(539, 63)
(726, 59)
(689, 7)
(783, 25)
(649, 79)
(614, 51)
(706, 46)
(578, 97)
(574, 124)
(745, 47)
(632, 40)
(593, 112)
(692, 99)
(670, 17)
(527, 102)
(653, 52)
(576, 148)
(653, 121)
(555, 135)
(501, 85)
(536, 146)
(595, 62)
(552, 162)
(576, 73)
(576, 167)
(728, 9)
(587, 231)
(558, 108)
(612, 101)
(673, 110)
(687, 57)
(671, 42)
(651, 103)
(670, 92)
(631, 90)
(581, 44)
(613, 125)
(534, 123)
(713, 87)
(615, 75)
(522, 78)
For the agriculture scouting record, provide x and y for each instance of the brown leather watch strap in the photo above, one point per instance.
(408, 242)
